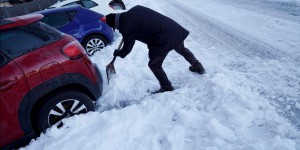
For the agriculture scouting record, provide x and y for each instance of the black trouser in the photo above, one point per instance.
(155, 64)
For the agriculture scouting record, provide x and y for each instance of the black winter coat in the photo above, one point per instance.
(160, 33)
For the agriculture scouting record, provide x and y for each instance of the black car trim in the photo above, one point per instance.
(23, 141)
(3, 59)
(5, 22)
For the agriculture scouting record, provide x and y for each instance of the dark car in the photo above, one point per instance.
(117, 5)
(45, 76)
(83, 24)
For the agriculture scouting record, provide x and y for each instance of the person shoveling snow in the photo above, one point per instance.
(160, 33)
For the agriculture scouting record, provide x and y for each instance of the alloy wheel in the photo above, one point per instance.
(65, 109)
(94, 45)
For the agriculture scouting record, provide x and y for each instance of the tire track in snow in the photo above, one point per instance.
(260, 63)
(226, 37)
(282, 11)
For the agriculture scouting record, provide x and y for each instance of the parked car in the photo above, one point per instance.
(102, 6)
(45, 76)
(83, 24)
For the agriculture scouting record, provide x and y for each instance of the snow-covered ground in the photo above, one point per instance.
(249, 99)
(286, 2)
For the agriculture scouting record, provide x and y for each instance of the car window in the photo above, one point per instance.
(21, 40)
(89, 4)
(71, 14)
(57, 20)
(78, 2)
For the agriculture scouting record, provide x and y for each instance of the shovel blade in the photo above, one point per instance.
(110, 71)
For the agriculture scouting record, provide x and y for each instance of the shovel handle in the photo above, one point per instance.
(113, 60)
(120, 45)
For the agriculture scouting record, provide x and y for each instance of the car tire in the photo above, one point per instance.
(62, 105)
(117, 5)
(94, 43)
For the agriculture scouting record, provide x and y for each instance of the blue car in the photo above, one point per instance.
(83, 24)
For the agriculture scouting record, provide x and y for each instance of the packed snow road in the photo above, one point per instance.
(273, 69)
(249, 97)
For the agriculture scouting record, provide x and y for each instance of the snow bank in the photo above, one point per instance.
(174, 121)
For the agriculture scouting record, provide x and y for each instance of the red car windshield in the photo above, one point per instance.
(21, 40)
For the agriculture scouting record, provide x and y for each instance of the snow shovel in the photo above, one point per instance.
(110, 68)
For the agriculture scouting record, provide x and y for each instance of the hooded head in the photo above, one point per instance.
(110, 20)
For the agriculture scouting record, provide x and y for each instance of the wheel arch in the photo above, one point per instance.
(34, 99)
(95, 33)
(37, 105)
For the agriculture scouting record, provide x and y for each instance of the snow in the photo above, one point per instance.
(249, 98)
(289, 2)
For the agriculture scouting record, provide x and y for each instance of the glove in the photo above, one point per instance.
(116, 53)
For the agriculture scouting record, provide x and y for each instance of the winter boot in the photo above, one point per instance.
(161, 90)
(199, 70)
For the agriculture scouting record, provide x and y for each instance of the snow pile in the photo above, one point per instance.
(229, 107)
(182, 119)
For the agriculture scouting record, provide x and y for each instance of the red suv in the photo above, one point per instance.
(45, 76)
